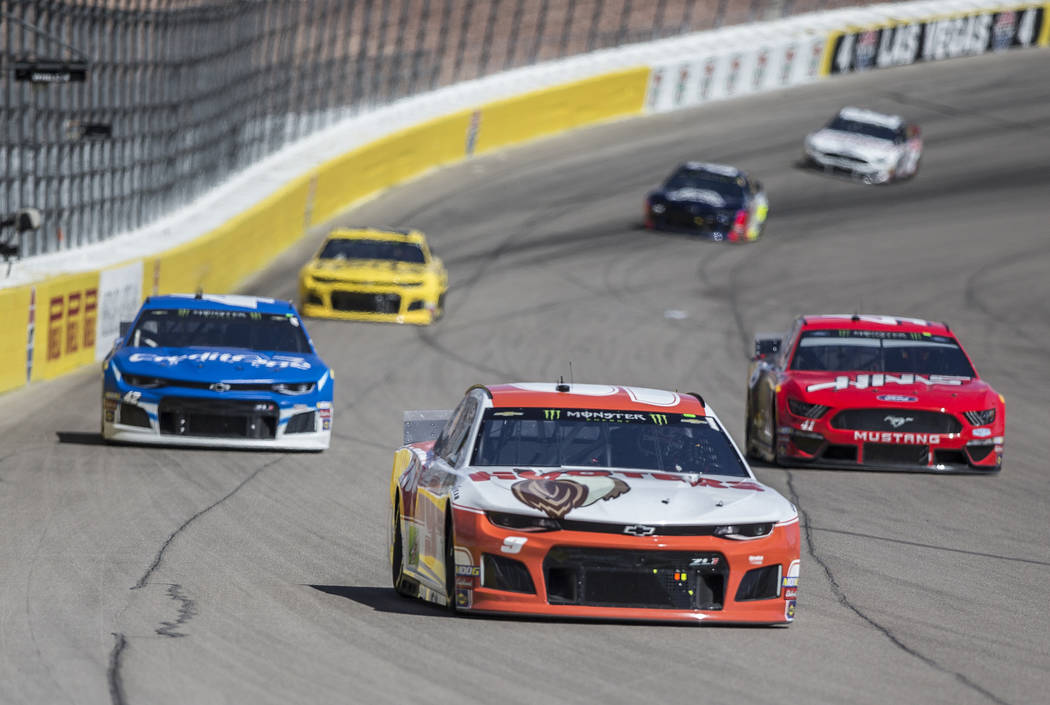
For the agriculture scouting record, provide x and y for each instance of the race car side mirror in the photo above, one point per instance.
(766, 346)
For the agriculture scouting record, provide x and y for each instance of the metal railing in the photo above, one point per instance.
(179, 94)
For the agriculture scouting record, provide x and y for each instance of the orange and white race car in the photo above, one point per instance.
(588, 501)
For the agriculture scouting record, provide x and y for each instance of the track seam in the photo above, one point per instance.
(843, 600)
(116, 684)
(164, 547)
(113, 673)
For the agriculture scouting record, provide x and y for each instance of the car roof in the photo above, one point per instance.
(867, 321)
(722, 169)
(377, 233)
(593, 396)
(871, 117)
(219, 302)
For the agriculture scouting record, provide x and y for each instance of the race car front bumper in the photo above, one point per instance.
(597, 575)
(388, 304)
(806, 441)
(850, 166)
(174, 417)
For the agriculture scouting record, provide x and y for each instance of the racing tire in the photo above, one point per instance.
(403, 585)
(774, 457)
(749, 442)
(450, 563)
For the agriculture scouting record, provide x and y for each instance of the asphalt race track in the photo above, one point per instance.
(140, 576)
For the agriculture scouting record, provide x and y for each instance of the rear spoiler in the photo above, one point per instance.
(425, 424)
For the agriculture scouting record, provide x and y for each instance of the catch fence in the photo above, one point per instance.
(177, 95)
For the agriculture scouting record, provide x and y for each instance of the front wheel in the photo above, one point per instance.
(749, 436)
(450, 563)
(403, 585)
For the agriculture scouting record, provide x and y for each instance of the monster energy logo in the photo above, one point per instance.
(659, 419)
(552, 414)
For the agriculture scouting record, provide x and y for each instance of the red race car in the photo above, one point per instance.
(873, 392)
(591, 501)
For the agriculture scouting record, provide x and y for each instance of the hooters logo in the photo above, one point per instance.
(556, 498)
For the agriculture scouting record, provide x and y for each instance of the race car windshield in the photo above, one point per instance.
(728, 187)
(607, 439)
(881, 132)
(184, 328)
(340, 248)
(880, 351)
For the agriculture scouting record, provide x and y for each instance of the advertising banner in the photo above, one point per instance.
(905, 42)
(119, 297)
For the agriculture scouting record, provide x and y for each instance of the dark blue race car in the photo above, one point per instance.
(235, 371)
(717, 201)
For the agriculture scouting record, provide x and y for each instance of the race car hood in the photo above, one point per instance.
(625, 496)
(872, 389)
(850, 143)
(218, 364)
(369, 271)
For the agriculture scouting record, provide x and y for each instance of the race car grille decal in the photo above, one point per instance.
(643, 579)
(892, 454)
(908, 420)
(366, 303)
(218, 418)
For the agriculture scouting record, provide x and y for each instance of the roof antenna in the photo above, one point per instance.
(561, 386)
(200, 293)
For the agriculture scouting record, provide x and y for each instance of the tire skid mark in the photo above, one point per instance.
(116, 684)
(953, 111)
(904, 542)
(430, 338)
(843, 599)
(187, 610)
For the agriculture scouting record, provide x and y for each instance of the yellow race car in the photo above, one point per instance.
(372, 274)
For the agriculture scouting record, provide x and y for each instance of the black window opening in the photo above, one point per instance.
(683, 443)
(186, 328)
(345, 248)
(841, 350)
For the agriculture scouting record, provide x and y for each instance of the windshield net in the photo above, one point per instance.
(862, 128)
(880, 351)
(340, 248)
(608, 439)
(184, 328)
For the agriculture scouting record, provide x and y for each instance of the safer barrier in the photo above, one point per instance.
(63, 322)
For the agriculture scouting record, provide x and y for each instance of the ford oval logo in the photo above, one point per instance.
(219, 387)
(899, 398)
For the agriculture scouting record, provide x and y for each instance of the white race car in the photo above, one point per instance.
(870, 146)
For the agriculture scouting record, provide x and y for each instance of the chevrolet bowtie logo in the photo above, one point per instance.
(639, 530)
(219, 387)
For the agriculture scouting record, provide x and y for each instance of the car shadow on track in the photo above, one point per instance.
(757, 464)
(386, 600)
(383, 599)
(81, 438)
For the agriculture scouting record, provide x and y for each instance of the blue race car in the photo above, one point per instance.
(233, 371)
